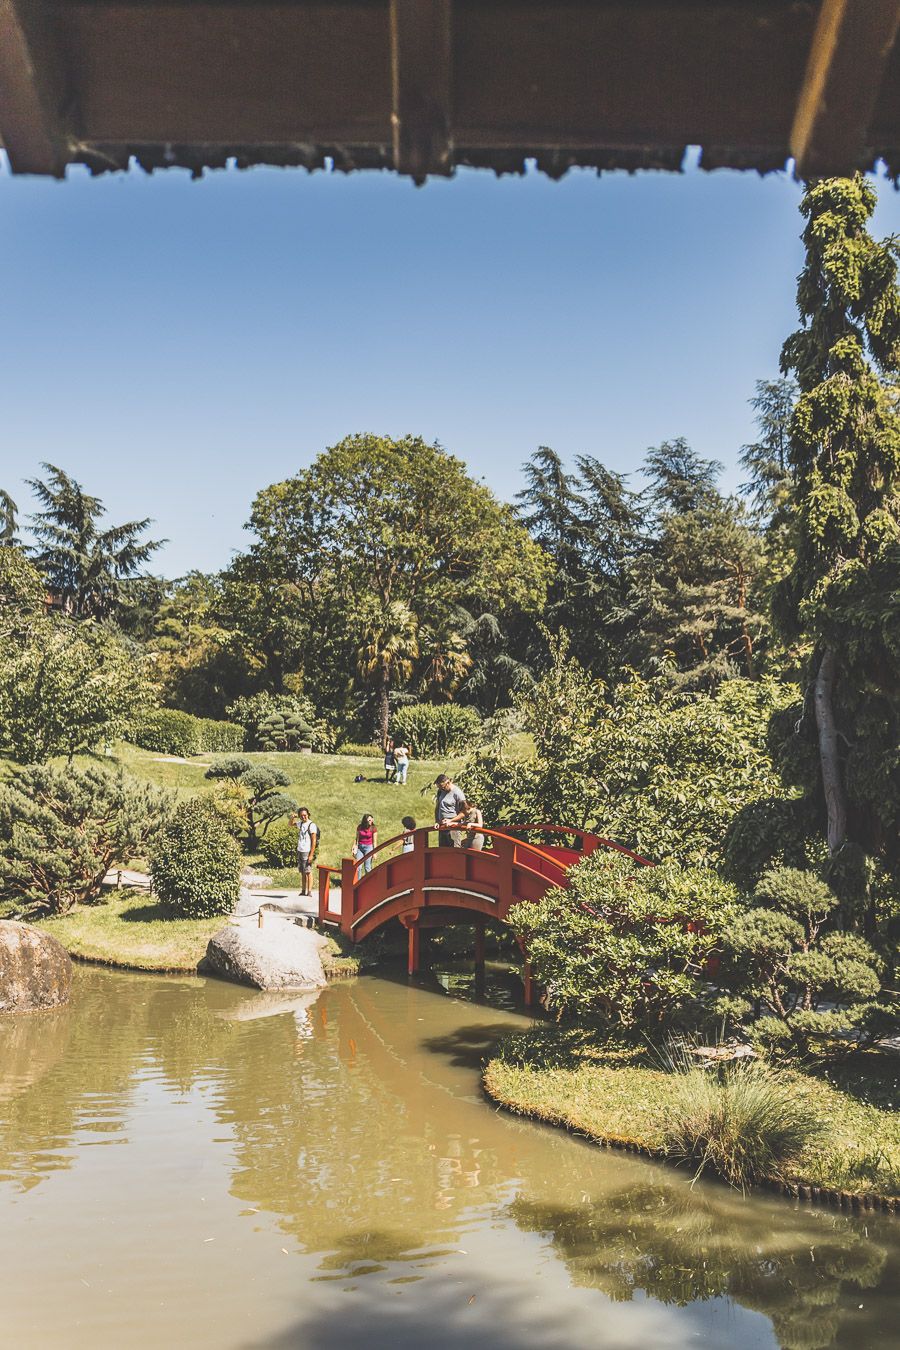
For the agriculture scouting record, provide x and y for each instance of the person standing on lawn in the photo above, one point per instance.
(307, 843)
(366, 843)
(390, 763)
(401, 759)
(449, 803)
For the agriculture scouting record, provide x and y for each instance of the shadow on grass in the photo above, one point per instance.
(152, 912)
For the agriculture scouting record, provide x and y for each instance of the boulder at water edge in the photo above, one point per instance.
(278, 956)
(35, 970)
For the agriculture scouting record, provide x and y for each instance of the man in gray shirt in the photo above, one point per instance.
(447, 805)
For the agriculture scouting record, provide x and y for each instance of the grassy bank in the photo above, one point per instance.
(616, 1092)
(130, 930)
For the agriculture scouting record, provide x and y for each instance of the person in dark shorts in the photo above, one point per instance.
(307, 843)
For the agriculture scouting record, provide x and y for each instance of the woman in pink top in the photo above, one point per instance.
(366, 842)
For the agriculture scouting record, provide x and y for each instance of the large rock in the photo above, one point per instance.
(35, 970)
(278, 956)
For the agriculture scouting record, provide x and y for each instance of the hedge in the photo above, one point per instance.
(171, 732)
(432, 730)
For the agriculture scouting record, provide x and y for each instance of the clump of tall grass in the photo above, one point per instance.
(741, 1121)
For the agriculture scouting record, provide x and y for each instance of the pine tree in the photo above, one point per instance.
(87, 568)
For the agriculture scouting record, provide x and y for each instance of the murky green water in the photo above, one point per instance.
(186, 1163)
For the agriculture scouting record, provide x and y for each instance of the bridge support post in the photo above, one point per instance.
(479, 957)
(414, 940)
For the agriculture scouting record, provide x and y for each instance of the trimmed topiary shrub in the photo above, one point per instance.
(195, 863)
(169, 731)
(279, 846)
(433, 730)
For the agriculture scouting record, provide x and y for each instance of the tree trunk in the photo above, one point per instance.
(829, 761)
(384, 709)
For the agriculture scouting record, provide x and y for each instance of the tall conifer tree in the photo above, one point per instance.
(841, 595)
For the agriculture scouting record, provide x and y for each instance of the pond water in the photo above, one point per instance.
(185, 1162)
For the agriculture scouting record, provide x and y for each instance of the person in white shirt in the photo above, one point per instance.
(307, 843)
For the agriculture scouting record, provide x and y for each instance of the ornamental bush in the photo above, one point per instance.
(433, 730)
(819, 990)
(251, 711)
(628, 943)
(195, 864)
(279, 846)
(62, 830)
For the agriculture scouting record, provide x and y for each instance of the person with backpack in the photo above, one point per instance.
(307, 846)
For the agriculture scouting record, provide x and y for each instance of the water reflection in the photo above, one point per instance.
(351, 1124)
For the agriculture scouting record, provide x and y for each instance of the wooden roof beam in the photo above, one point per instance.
(421, 87)
(850, 49)
(32, 91)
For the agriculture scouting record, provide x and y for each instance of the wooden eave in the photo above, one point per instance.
(422, 86)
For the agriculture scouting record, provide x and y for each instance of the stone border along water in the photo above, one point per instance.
(793, 1190)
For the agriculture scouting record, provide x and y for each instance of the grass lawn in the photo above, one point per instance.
(324, 783)
(129, 929)
(615, 1092)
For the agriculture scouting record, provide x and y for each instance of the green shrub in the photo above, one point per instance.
(285, 731)
(195, 864)
(743, 1123)
(433, 730)
(279, 846)
(169, 731)
(626, 942)
(362, 751)
(219, 737)
(61, 830)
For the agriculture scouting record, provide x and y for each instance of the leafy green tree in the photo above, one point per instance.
(700, 573)
(87, 568)
(840, 596)
(62, 830)
(767, 461)
(250, 711)
(663, 771)
(22, 591)
(201, 656)
(259, 784)
(625, 942)
(589, 525)
(66, 687)
(820, 990)
(377, 540)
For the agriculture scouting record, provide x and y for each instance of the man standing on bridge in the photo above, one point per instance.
(448, 804)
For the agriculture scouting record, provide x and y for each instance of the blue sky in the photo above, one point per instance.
(179, 345)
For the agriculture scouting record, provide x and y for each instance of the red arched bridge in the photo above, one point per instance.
(431, 886)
